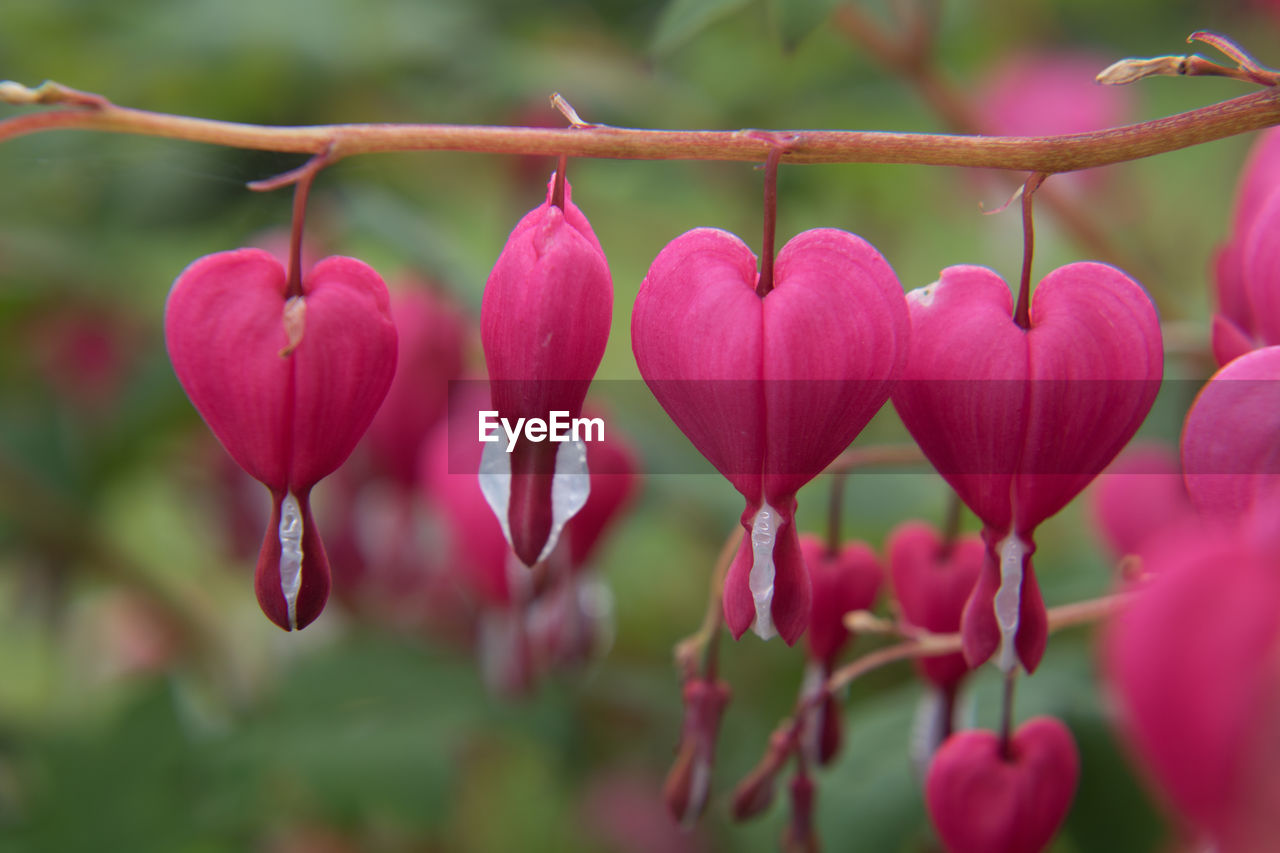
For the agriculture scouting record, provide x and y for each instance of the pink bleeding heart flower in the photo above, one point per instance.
(288, 384)
(1247, 291)
(1138, 497)
(931, 583)
(1192, 660)
(432, 345)
(1018, 421)
(770, 389)
(983, 801)
(843, 582)
(1231, 439)
(544, 323)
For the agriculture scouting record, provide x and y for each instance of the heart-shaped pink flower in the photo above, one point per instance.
(544, 323)
(1231, 440)
(770, 389)
(843, 582)
(1018, 420)
(288, 385)
(981, 801)
(1192, 660)
(1139, 495)
(433, 339)
(931, 585)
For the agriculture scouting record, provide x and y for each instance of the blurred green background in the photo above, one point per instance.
(145, 703)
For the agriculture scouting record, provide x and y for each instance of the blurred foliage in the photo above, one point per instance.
(356, 736)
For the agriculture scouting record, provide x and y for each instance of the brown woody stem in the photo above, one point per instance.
(1049, 154)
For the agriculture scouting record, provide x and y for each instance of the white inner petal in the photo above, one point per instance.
(291, 555)
(1008, 599)
(699, 787)
(764, 530)
(495, 482)
(815, 678)
(570, 487)
(927, 728)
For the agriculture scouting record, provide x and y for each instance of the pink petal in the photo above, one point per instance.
(789, 600)
(931, 587)
(1140, 495)
(842, 583)
(697, 335)
(1097, 358)
(981, 802)
(964, 394)
(313, 583)
(1261, 270)
(432, 347)
(980, 622)
(1192, 660)
(827, 367)
(1231, 440)
(544, 323)
(224, 333)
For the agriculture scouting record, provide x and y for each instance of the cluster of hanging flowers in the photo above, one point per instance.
(771, 366)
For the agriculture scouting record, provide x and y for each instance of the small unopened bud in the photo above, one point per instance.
(799, 836)
(754, 794)
(689, 780)
(1131, 70)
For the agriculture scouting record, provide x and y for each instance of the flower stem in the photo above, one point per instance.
(557, 191)
(1022, 313)
(765, 284)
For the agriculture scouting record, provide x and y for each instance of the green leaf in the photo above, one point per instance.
(681, 20)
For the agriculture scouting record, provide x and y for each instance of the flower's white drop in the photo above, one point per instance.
(815, 679)
(570, 487)
(764, 531)
(699, 788)
(927, 728)
(1008, 600)
(291, 555)
(495, 482)
(923, 296)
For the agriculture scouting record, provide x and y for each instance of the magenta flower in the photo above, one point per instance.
(288, 385)
(1138, 497)
(843, 582)
(770, 389)
(433, 335)
(1018, 420)
(931, 585)
(983, 801)
(1231, 439)
(1047, 93)
(1192, 660)
(544, 323)
(1248, 291)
